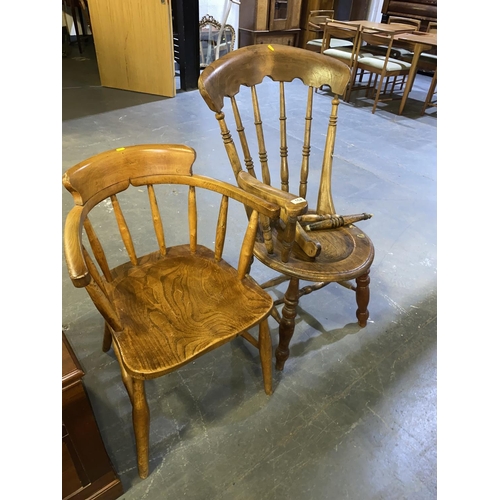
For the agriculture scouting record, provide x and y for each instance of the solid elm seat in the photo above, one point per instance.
(186, 327)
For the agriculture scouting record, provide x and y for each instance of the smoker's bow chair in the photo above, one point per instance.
(165, 308)
(326, 247)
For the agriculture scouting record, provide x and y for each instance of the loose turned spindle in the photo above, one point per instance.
(331, 221)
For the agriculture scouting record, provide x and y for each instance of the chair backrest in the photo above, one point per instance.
(376, 38)
(404, 20)
(247, 67)
(432, 27)
(104, 176)
(317, 18)
(339, 30)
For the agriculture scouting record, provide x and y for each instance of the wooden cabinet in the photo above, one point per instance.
(87, 472)
(424, 10)
(269, 21)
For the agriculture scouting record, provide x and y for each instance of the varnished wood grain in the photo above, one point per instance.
(167, 307)
(323, 255)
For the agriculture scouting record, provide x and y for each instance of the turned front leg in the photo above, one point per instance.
(287, 323)
(140, 415)
(362, 298)
(266, 353)
(107, 339)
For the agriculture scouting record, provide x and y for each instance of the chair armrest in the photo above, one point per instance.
(291, 205)
(78, 271)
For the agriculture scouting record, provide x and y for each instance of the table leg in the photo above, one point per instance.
(411, 76)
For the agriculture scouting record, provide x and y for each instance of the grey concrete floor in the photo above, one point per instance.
(353, 415)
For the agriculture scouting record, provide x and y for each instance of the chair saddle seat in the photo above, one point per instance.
(346, 252)
(187, 308)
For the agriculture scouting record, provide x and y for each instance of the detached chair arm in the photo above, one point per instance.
(291, 207)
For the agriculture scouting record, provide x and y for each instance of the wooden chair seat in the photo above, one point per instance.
(346, 252)
(317, 43)
(163, 315)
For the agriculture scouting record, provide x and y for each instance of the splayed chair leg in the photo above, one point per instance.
(140, 414)
(106, 341)
(287, 323)
(362, 298)
(266, 353)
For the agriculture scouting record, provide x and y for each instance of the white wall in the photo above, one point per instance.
(375, 11)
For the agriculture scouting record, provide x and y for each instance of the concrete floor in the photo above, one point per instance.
(353, 415)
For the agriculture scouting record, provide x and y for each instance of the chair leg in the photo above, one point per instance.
(362, 298)
(287, 323)
(266, 354)
(140, 415)
(107, 339)
(377, 96)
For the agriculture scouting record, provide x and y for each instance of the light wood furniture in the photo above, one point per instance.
(340, 41)
(269, 22)
(404, 20)
(315, 28)
(325, 248)
(165, 308)
(382, 69)
(87, 472)
(134, 45)
(307, 6)
(430, 102)
(418, 42)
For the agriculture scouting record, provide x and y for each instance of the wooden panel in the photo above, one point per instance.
(267, 37)
(253, 15)
(418, 9)
(86, 470)
(134, 45)
(71, 480)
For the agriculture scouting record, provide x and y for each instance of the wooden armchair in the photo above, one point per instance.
(327, 247)
(165, 308)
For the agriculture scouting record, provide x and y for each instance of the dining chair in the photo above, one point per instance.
(432, 27)
(382, 70)
(396, 52)
(347, 52)
(315, 23)
(163, 308)
(316, 245)
(431, 97)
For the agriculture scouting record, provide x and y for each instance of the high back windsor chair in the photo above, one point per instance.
(164, 308)
(326, 247)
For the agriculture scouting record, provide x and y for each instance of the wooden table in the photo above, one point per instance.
(418, 42)
(391, 28)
